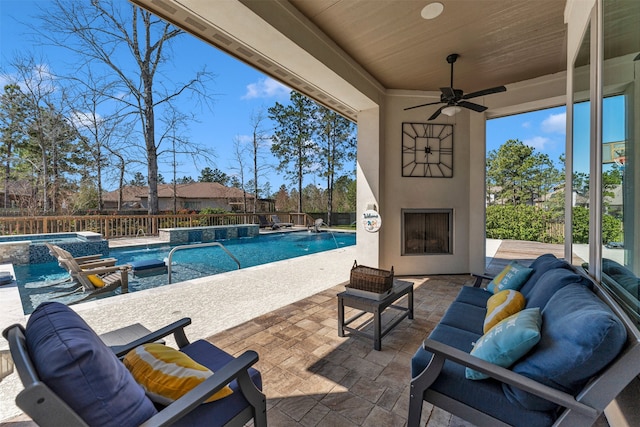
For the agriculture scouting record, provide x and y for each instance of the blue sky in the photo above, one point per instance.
(241, 91)
(544, 130)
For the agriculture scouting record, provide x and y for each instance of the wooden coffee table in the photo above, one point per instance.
(376, 307)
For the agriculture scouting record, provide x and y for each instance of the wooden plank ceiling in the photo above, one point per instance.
(499, 41)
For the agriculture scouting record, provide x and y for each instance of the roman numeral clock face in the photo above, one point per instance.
(427, 150)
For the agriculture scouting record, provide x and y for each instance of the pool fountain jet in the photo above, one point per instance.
(315, 228)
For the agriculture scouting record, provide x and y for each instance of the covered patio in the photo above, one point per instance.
(311, 376)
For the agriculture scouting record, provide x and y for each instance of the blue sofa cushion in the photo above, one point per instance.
(550, 282)
(74, 362)
(485, 395)
(474, 296)
(580, 336)
(216, 413)
(541, 265)
(464, 316)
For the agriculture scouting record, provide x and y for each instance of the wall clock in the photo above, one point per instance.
(427, 150)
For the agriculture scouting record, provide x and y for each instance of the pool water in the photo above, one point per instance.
(38, 283)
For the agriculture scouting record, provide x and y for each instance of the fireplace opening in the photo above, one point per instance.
(427, 231)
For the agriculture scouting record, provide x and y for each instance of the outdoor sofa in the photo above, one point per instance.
(585, 353)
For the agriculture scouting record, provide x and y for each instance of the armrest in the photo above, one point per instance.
(176, 328)
(206, 389)
(87, 258)
(105, 269)
(107, 262)
(508, 377)
(479, 279)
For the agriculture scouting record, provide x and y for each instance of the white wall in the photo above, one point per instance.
(424, 193)
(465, 191)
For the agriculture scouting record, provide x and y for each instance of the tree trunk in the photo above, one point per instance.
(152, 154)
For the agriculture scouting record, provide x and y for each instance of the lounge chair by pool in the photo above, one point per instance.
(265, 223)
(278, 223)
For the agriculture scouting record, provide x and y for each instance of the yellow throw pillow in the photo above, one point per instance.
(502, 305)
(95, 280)
(167, 374)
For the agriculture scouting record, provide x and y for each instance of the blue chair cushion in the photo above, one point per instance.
(580, 336)
(485, 395)
(541, 265)
(146, 264)
(74, 362)
(216, 413)
(550, 282)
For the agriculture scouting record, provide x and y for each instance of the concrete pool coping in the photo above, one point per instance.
(214, 303)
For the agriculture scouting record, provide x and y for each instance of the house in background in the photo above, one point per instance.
(193, 196)
(19, 194)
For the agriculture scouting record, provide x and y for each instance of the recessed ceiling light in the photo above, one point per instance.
(432, 10)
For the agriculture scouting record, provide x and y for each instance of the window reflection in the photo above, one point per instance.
(620, 154)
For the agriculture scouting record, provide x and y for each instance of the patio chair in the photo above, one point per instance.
(71, 378)
(277, 222)
(96, 281)
(265, 223)
(88, 261)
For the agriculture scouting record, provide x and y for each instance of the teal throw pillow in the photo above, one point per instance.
(507, 341)
(512, 277)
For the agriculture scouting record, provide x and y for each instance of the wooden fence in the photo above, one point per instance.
(111, 226)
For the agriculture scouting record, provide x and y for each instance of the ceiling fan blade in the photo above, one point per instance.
(496, 89)
(471, 106)
(437, 113)
(448, 92)
(422, 105)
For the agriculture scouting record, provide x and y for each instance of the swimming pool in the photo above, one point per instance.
(37, 282)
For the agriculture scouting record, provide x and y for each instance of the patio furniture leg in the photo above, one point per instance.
(410, 304)
(377, 329)
(415, 408)
(340, 317)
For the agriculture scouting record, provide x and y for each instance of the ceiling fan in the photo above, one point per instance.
(455, 98)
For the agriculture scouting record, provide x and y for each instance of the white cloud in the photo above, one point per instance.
(555, 123)
(537, 142)
(85, 119)
(526, 125)
(244, 139)
(266, 88)
(5, 80)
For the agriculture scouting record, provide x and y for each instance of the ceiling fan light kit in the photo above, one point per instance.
(455, 99)
(451, 110)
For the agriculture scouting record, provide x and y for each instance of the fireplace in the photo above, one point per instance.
(427, 231)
